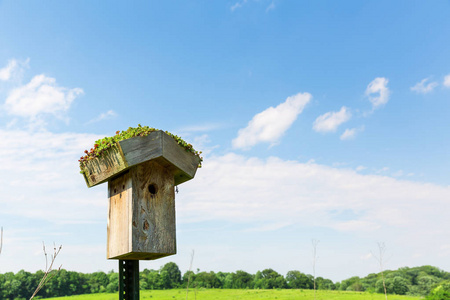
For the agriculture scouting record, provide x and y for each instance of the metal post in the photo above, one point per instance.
(128, 279)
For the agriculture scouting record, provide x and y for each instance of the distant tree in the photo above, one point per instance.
(174, 274)
(436, 272)
(242, 280)
(369, 282)
(7, 286)
(407, 273)
(298, 280)
(441, 292)
(352, 284)
(228, 283)
(153, 280)
(27, 284)
(143, 284)
(426, 283)
(425, 280)
(206, 280)
(164, 280)
(393, 285)
(269, 279)
(113, 285)
(98, 282)
(325, 284)
(188, 277)
(400, 285)
(221, 276)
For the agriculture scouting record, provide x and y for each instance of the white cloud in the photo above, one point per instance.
(275, 191)
(202, 143)
(270, 7)
(271, 124)
(367, 256)
(13, 67)
(40, 96)
(103, 116)
(237, 5)
(41, 185)
(447, 81)
(422, 87)
(382, 170)
(330, 121)
(399, 173)
(357, 225)
(378, 86)
(350, 134)
(6, 72)
(40, 171)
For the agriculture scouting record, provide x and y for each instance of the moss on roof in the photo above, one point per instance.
(105, 143)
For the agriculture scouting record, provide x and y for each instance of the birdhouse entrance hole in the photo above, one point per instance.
(152, 189)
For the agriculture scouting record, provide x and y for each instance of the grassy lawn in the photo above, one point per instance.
(220, 294)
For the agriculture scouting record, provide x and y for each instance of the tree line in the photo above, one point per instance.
(425, 280)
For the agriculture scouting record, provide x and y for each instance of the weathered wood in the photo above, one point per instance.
(139, 149)
(144, 227)
(184, 163)
(119, 216)
(156, 146)
(100, 170)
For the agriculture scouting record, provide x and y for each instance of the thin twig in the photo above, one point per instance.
(314, 244)
(45, 254)
(48, 274)
(382, 250)
(189, 277)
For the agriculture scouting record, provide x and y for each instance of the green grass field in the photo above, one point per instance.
(220, 294)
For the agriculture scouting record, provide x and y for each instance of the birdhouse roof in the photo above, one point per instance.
(157, 145)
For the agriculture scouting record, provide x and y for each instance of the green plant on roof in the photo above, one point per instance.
(106, 143)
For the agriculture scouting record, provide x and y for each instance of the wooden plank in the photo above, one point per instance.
(140, 149)
(101, 169)
(154, 232)
(119, 216)
(141, 220)
(184, 163)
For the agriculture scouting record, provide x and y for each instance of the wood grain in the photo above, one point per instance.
(153, 210)
(119, 216)
(144, 227)
(183, 163)
(101, 169)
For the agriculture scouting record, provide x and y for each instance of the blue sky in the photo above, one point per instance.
(318, 120)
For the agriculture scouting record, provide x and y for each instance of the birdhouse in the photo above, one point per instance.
(142, 173)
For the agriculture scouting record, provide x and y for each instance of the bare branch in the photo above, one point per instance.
(49, 273)
(189, 277)
(314, 244)
(45, 254)
(380, 258)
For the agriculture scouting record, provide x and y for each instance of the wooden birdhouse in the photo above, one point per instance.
(142, 173)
